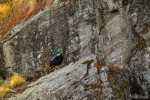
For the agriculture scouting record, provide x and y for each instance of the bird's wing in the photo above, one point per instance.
(53, 57)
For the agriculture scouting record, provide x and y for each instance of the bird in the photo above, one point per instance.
(56, 60)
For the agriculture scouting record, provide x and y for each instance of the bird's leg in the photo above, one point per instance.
(52, 69)
(56, 67)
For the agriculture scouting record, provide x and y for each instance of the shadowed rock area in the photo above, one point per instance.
(117, 32)
(75, 81)
(29, 46)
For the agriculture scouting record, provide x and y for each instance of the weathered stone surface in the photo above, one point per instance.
(2, 65)
(29, 45)
(140, 85)
(105, 34)
(78, 81)
(74, 82)
(120, 83)
(117, 31)
(141, 62)
(111, 35)
(142, 9)
(106, 89)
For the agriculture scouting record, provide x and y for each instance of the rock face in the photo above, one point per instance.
(74, 82)
(2, 65)
(29, 46)
(113, 30)
(140, 63)
(78, 81)
(116, 31)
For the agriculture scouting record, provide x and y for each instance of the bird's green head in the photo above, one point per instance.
(57, 50)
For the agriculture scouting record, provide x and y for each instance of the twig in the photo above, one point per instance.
(13, 91)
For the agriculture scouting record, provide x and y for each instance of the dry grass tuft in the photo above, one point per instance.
(17, 11)
(8, 85)
(1, 80)
(4, 91)
(4, 10)
(16, 80)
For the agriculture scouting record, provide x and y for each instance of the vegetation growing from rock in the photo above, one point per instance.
(5, 10)
(116, 31)
(8, 85)
(16, 80)
(15, 11)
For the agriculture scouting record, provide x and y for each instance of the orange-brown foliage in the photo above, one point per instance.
(21, 11)
(21, 90)
(33, 12)
(114, 69)
(96, 63)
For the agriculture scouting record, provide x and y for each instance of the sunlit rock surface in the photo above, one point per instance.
(74, 82)
(117, 32)
(109, 29)
(29, 46)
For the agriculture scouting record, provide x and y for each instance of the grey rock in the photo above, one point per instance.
(75, 81)
(104, 74)
(29, 45)
(116, 31)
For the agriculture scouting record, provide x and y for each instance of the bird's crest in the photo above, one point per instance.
(57, 49)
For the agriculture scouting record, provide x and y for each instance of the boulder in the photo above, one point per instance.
(74, 82)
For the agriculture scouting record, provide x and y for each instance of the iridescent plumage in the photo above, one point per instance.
(56, 60)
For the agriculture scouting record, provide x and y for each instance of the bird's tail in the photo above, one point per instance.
(48, 68)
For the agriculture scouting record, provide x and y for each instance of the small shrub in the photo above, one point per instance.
(114, 69)
(1, 80)
(4, 10)
(8, 85)
(18, 11)
(3, 91)
(16, 80)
